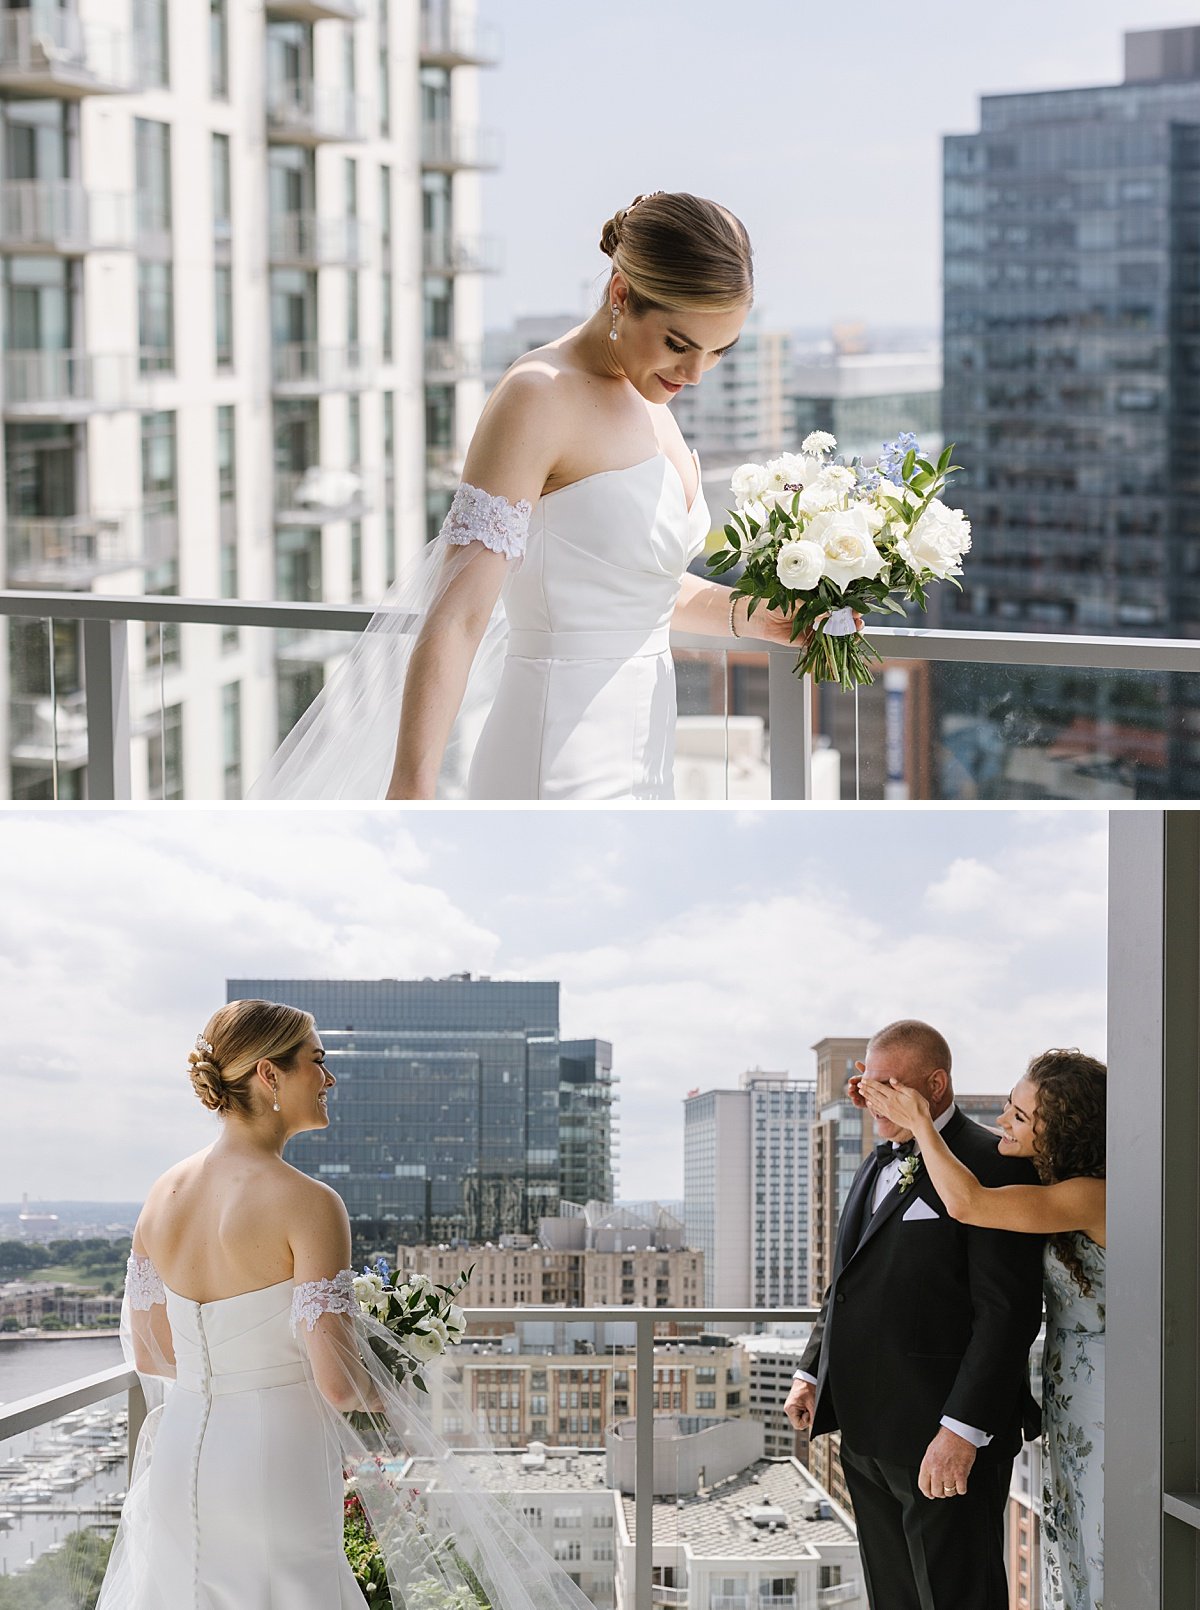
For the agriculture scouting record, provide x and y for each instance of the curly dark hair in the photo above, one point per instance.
(1069, 1130)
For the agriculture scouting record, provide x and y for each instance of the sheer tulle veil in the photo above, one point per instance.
(344, 744)
(447, 1540)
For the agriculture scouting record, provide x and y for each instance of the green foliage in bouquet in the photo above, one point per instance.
(421, 1316)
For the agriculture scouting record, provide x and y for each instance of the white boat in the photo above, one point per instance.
(8, 1519)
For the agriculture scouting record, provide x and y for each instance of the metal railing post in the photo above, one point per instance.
(643, 1488)
(790, 704)
(106, 678)
(135, 1403)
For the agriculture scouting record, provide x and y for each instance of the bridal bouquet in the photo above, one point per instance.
(826, 543)
(422, 1317)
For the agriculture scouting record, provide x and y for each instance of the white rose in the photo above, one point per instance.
(818, 496)
(844, 536)
(749, 483)
(937, 542)
(818, 441)
(800, 564)
(370, 1293)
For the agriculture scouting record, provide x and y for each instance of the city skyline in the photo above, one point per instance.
(881, 96)
(119, 931)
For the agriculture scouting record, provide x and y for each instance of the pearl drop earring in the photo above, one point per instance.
(275, 1108)
(612, 334)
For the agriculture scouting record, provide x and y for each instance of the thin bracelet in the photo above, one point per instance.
(733, 631)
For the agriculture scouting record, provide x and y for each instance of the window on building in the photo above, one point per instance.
(218, 49)
(151, 43)
(165, 755)
(231, 727)
(152, 168)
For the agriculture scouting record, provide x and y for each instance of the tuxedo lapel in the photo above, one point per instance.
(895, 1196)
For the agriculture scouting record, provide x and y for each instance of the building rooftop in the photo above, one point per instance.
(514, 1470)
(714, 1523)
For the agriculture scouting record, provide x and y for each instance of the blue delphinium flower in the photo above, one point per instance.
(868, 480)
(891, 459)
(382, 1268)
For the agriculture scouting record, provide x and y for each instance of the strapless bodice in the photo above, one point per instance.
(604, 560)
(236, 1344)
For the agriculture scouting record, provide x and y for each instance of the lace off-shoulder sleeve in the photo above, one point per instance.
(142, 1284)
(312, 1298)
(479, 516)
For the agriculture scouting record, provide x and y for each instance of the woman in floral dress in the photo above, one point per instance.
(1055, 1116)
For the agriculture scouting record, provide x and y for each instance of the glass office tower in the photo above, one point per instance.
(1072, 388)
(445, 1122)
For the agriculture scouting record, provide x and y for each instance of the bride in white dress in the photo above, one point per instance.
(580, 511)
(239, 1294)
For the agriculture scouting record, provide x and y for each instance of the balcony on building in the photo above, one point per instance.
(313, 10)
(450, 361)
(52, 54)
(306, 369)
(59, 217)
(43, 730)
(302, 240)
(451, 39)
(445, 254)
(43, 384)
(317, 496)
(300, 112)
(68, 550)
(450, 147)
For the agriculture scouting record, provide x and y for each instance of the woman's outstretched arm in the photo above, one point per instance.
(1075, 1204)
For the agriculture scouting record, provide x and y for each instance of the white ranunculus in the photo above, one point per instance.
(800, 564)
(845, 538)
(456, 1321)
(937, 542)
(818, 441)
(817, 496)
(428, 1340)
(749, 483)
(369, 1292)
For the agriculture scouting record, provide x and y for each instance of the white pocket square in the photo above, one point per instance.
(921, 1210)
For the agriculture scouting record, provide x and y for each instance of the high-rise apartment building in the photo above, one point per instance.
(241, 288)
(1072, 347)
(445, 1118)
(746, 1189)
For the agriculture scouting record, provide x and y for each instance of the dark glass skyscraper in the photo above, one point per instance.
(1072, 388)
(446, 1115)
(585, 1103)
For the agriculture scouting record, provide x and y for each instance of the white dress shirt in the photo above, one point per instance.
(887, 1178)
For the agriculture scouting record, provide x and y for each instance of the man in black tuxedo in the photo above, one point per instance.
(920, 1354)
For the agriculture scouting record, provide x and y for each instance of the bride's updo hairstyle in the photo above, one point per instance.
(680, 251)
(1069, 1129)
(235, 1040)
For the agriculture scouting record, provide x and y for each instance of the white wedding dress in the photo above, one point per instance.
(585, 707)
(243, 1495)
(572, 691)
(240, 1480)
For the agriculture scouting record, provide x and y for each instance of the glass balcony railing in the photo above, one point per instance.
(300, 112)
(301, 239)
(1050, 718)
(315, 496)
(48, 731)
(304, 368)
(451, 39)
(460, 254)
(47, 384)
(314, 10)
(58, 216)
(581, 1444)
(446, 147)
(48, 52)
(68, 550)
(448, 361)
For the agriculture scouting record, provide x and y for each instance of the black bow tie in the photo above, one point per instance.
(887, 1150)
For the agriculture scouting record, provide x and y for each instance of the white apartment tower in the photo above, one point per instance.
(241, 320)
(746, 1188)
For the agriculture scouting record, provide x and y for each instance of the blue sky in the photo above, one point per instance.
(701, 943)
(819, 125)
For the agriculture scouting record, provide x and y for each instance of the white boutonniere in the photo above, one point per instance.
(910, 1167)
